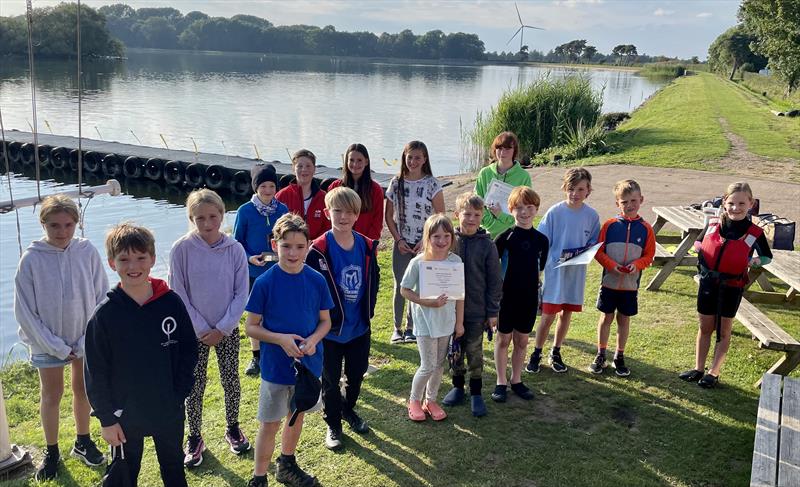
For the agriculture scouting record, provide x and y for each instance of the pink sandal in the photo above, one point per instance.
(436, 412)
(415, 412)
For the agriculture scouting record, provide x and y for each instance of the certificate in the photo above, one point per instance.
(441, 277)
(584, 258)
(497, 194)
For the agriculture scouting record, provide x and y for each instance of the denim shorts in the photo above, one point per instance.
(46, 361)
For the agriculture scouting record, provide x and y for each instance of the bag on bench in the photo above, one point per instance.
(779, 231)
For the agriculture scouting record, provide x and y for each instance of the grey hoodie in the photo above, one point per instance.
(482, 277)
(56, 292)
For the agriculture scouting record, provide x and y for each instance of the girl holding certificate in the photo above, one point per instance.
(434, 319)
(504, 168)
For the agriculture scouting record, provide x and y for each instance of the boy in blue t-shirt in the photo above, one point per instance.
(288, 313)
(348, 261)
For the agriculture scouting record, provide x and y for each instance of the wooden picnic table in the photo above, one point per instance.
(785, 266)
(690, 222)
(776, 449)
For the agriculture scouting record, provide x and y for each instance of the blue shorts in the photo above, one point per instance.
(611, 300)
(45, 361)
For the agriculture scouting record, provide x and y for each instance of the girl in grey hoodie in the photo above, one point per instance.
(59, 282)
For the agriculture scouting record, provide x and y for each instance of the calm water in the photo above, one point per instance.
(239, 104)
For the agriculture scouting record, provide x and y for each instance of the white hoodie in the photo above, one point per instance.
(56, 292)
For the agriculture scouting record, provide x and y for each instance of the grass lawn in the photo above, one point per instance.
(648, 429)
(680, 127)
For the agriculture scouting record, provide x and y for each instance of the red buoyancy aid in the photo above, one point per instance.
(729, 257)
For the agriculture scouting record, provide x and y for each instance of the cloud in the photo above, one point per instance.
(660, 12)
(703, 15)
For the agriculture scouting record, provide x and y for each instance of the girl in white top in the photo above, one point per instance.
(412, 196)
(59, 282)
(434, 319)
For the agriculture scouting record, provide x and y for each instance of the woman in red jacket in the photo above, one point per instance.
(304, 196)
(357, 176)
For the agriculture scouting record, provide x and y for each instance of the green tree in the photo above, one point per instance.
(429, 45)
(625, 51)
(775, 26)
(571, 50)
(588, 53)
(460, 45)
(732, 49)
(158, 32)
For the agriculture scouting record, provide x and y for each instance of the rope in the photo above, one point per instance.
(8, 175)
(29, 10)
(80, 118)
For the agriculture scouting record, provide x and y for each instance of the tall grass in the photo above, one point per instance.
(541, 114)
(663, 70)
(772, 89)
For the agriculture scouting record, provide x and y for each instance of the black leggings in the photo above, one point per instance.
(355, 355)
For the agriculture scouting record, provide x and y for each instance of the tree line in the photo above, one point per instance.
(580, 51)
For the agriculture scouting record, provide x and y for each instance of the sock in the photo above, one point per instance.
(259, 478)
(82, 439)
(537, 352)
(257, 354)
(602, 351)
(458, 381)
(287, 458)
(52, 451)
(557, 350)
(619, 354)
(233, 428)
(475, 386)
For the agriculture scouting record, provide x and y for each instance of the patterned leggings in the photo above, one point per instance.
(228, 361)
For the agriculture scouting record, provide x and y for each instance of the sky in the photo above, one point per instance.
(682, 28)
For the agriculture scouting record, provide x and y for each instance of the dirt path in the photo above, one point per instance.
(741, 161)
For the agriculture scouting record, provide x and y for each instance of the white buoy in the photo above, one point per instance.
(111, 187)
(11, 456)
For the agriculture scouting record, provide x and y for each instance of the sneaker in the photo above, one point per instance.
(708, 381)
(237, 441)
(193, 453)
(533, 364)
(48, 468)
(500, 393)
(454, 397)
(258, 482)
(333, 439)
(598, 365)
(620, 369)
(408, 337)
(88, 452)
(522, 391)
(289, 472)
(478, 406)
(397, 337)
(253, 369)
(356, 423)
(692, 375)
(556, 363)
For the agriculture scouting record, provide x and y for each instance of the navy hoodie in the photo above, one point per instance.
(140, 360)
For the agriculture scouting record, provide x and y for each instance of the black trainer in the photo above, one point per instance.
(88, 452)
(619, 367)
(533, 364)
(556, 363)
(253, 369)
(692, 375)
(289, 472)
(598, 365)
(408, 336)
(708, 381)
(48, 468)
(356, 423)
(333, 439)
(500, 393)
(258, 482)
(522, 391)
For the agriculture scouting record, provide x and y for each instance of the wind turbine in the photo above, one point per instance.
(521, 30)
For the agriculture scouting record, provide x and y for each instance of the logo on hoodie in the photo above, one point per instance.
(168, 326)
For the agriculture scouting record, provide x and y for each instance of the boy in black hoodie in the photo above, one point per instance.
(140, 355)
(483, 292)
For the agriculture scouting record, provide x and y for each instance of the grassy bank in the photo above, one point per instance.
(685, 124)
(771, 89)
(648, 430)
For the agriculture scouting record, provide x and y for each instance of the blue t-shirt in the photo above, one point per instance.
(350, 277)
(289, 303)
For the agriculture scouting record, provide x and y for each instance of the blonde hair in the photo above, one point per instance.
(434, 223)
(58, 203)
(343, 198)
(200, 197)
(469, 200)
(290, 222)
(626, 186)
(737, 187)
(523, 195)
(575, 175)
(128, 236)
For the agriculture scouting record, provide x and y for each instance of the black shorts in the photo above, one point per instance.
(517, 314)
(709, 294)
(611, 300)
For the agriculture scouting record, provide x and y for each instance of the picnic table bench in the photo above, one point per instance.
(776, 450)
(690, 222)
(770, 336)
(785, 266)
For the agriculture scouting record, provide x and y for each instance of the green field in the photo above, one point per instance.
(650, 429)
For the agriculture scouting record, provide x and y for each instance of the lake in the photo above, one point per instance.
(249, 105)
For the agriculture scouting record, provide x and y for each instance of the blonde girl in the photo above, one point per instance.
(435, 319)
(725, 254)
(208, 270)
(412, 196)
(59, 282)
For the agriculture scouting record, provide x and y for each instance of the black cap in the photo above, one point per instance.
(261, 173)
